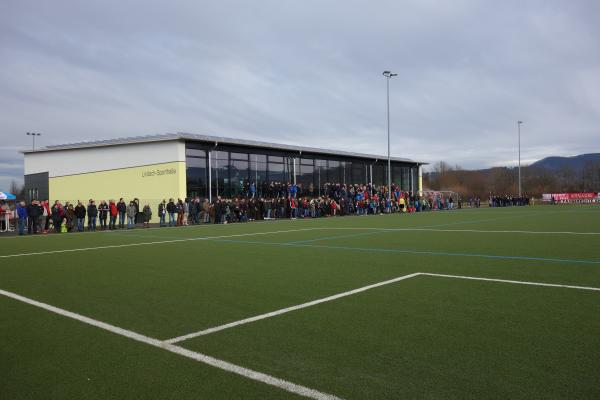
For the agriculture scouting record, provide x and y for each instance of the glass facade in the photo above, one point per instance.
(233, 169)
(379, 174)
(219, 171)
(258, 173)
(405, 185)
(196, 172)
(359, 173)
(305, 173)
(333, 171)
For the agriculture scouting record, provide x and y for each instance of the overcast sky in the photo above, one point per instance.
(306, 72)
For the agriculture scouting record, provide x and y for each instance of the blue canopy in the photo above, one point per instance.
(7, 196)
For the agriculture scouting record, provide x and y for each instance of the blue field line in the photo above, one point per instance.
(354, 235)
(411, 251)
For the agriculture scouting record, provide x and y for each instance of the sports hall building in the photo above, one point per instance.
(181, 165)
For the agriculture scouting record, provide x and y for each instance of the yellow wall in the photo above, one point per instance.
(150, 184)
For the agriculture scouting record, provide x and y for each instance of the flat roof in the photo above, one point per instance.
(212, 139)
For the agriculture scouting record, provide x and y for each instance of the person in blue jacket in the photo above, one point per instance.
(21, 217)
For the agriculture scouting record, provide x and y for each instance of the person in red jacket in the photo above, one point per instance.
(292, 207)
(113, 212)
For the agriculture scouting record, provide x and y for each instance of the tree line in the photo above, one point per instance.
(504, 180)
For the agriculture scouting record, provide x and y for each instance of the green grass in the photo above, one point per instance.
(426, 337)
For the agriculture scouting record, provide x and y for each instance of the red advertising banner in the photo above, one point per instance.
(570, 196)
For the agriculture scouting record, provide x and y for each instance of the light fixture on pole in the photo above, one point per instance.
(388, 75)
(33, 135)
(519, 134)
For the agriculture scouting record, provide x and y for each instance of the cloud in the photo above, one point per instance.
(11, 166)
(307, 73)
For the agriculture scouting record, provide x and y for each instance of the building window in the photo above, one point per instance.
(320, 174)
(405, 179)
(359, 173)
(276, 159)
(196, 173)
(239, 156)
(305, 177)
(33, 194)
(258, 173)
(219, 173)
(238, 170)
(379, 176)
(276, 171)
(333, 171)
(397, 175)
(346, 167)
(195, 153)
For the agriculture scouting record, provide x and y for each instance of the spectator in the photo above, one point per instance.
(162, 211)
(171, 209)
(103, 210)
(114, 212)
(70, 217)
(80, 215)
(34, 210)
(186, 211)
(292, 207)
(147, 215)
(131, 214)
(21, 217)
(122, 209)
(92, 213)
(206, 211)
(180, 212)
(42, 219)
(58, 215)
(138, 213)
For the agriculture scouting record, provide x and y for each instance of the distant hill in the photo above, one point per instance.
(576, 162)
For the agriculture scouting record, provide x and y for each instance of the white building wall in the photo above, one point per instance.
(93, 159)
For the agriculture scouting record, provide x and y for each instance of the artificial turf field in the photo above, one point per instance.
(134, 310)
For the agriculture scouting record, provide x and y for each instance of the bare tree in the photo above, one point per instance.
(16, 189)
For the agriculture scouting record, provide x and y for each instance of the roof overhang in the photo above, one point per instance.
(217, 140)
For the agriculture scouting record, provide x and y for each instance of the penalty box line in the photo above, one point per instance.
(203, 358)
(286, 310)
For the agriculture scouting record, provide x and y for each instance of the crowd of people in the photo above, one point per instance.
(276, 201)
(508, 201)
(41, 217)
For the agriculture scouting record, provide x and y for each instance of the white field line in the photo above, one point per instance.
(286, 310)
(475, 278)
(203, 358)
(359, 290)
(463, 230)
(116, 246)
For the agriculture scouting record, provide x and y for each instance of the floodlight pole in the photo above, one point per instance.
(519, 135)
(388, 75)
(33, 135)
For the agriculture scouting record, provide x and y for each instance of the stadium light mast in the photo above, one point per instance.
(388, 75)
(33, 135)
(519, 135)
